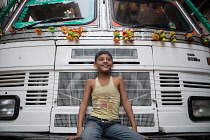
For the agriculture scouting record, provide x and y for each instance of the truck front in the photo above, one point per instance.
(47, 54)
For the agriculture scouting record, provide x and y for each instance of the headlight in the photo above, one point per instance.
(199, 108)
(9, 107)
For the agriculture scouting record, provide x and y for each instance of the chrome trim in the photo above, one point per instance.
(188, 18)
(108, 14)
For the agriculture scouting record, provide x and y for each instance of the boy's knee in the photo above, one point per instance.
(91, 134)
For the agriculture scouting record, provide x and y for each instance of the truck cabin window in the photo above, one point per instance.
(149, 14)
(56, 12)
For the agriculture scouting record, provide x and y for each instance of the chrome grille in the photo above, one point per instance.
(70, 120)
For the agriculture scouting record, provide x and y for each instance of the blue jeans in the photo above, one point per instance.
(95, 129)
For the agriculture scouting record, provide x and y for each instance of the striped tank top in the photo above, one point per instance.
(105, 101)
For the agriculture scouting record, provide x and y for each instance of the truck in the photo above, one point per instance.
(47, 50)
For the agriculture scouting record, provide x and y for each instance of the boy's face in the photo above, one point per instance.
(104, 63)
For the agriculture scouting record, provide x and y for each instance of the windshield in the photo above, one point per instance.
(149, 13)
(39, 10)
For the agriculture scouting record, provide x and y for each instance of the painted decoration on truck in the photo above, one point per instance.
(35, 2)
(42, 13)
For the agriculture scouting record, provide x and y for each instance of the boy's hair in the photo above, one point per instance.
(102, 52)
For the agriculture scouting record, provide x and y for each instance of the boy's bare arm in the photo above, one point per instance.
(82, 109)
(126, 104)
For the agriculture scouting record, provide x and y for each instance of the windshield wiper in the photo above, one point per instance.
(151, 25)
(56, 19)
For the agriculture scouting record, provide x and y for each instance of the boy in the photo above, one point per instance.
(106, 92)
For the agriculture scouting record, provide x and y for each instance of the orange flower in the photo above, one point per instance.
(155, 36)
(116, 39)
(80, 30)
(64, 29)
(69, 38)
(38, 31)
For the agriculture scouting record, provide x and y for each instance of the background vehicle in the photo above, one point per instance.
(43, 69)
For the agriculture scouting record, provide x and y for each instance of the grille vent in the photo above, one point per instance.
(36, 97)
(142, 120)
(12, 79)
(192, 84)
(38, 79)
(169, 80)
(66, 120)
(171, 98)
(70, 120)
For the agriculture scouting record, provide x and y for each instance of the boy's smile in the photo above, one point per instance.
(104, 63)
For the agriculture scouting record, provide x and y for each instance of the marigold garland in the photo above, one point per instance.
(64, 29)
(38, 31)
(204, 39)
(116, 36)
(73, 33)
(128, 35)
(189, 37)
(80, 30)
(172, 36)
(51, 29)
(69, 38)
(159, 35)
(155, 36)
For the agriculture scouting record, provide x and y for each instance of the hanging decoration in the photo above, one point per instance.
(116, 36)
(204, 39)
(144, 7)
(172, 36)
(122, 7)
(159, 9)
(172, 25)
(189, 37)
(133, 6)
(128, 35)
(38, 31)
(162, 35)
(159, 35)
(51, 29)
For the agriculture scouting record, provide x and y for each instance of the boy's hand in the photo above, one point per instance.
(79, 132)
(73, 137)
(134, 129)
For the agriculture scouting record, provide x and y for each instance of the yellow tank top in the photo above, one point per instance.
(105, 101)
